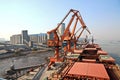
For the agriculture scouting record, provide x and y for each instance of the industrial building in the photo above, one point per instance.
(16, 39)
(60, 31)
(36, 39)
(24, 38)
(42, 38)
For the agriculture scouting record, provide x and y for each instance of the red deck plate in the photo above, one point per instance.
(101, 52)
(78, 51)
(90, 49)
(79, 69)
(89, 60)
(97, 70)
(89, 70)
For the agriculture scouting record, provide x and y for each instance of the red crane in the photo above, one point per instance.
(69, 36)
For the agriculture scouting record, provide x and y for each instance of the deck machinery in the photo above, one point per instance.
(89, 62)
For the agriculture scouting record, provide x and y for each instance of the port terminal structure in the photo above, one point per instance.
(69, 36)
(89, 62)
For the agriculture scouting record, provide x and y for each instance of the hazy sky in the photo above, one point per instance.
(101, 16)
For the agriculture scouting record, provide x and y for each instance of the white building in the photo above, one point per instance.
(60, 32)
(61, 28)
(16, 39)
(42, 38)
(50, 36)
(24, 38)
(34, 38)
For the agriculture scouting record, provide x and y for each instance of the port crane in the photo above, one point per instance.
(68, 36)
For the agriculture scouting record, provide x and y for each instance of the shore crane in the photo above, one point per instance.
(68, 36)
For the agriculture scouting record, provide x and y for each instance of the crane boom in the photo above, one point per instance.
(67, 36)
